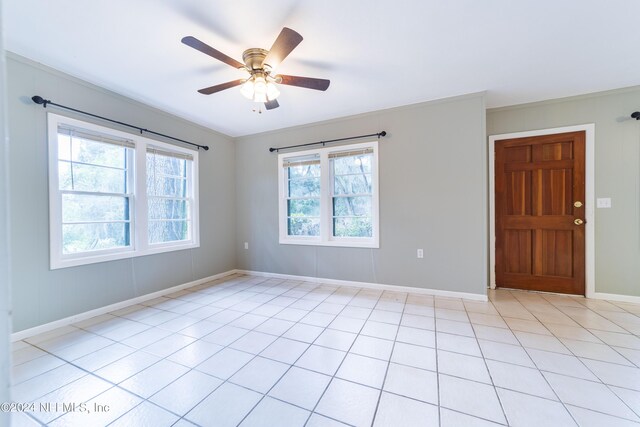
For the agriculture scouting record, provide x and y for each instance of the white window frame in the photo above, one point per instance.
(139, 245)
(326, 237)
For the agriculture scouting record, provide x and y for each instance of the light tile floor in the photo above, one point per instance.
(252, 351)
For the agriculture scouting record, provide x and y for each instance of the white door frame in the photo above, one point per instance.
(590, 201)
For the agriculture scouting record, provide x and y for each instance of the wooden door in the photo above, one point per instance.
(540, 197)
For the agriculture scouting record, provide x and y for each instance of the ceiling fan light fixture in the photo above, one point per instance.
(259, 89)
(247, 89)
(272, 91)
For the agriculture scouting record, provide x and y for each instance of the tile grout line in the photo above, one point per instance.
(346, 353)
(264, 395)
(386, 372)
(114, 385)
(582, 364)
(546, 381)
(435, 339)
(224, 381)
(256, 355)
(504, 414)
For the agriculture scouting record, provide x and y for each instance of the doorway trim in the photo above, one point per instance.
(590, 258)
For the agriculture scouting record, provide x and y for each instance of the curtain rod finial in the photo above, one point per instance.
(206, 147)
(383, 133)
(40, 100)
(272, 149)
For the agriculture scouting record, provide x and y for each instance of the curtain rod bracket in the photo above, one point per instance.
(41, 101)
(324, 143)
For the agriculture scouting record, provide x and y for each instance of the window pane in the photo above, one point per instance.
(92, 237)
(163, 175)
(303, 207)
(168, 231)
(162, 185)
(354, 164)
(168, 209)
(91, 178)
(352, 184)
(304, 187)
(81, 207)
(352, 227)
(168, 216)
(64, 147)
(352, 206)
(305, 171)
(299, 226)
(96, 153)
(171, 187)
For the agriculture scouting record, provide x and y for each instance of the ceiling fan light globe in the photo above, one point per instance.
(260, 90)
(260, 85)
(247, 89)
(272, 91)
(260, 97)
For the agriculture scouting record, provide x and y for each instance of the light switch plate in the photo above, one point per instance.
(420, 253)
(603, 203)
(246, 245)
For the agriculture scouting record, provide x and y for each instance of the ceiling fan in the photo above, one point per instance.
(260, 86)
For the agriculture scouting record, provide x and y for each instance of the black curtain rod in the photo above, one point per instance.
(44, 102)
(379, 134)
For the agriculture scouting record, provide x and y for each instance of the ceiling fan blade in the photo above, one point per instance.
(220, 87)
(287, 41)
(306, 82)
(205, 48)
(270, 105)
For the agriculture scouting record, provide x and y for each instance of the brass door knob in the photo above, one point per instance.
(578, 221)
(577, 204)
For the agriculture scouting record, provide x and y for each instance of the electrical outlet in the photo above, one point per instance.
(603, 203)
(246, 245)
(420, 253)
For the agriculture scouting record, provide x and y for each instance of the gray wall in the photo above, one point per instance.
(432, 196)
(41, 295)
(617, 159)
(5, 296)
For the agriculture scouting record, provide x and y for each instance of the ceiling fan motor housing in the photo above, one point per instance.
(254, 58)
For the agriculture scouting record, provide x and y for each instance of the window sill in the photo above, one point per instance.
(76, 261)
(369, 243)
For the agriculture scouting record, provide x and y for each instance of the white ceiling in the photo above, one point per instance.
(377, 53)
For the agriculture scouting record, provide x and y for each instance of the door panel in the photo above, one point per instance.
(518, 245)
(518, 191)
(538, 245)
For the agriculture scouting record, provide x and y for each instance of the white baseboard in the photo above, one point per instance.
(378, 286)
(615, 297)
(26, 333)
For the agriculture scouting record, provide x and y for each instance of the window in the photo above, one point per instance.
(329, 196)
(114, 195)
